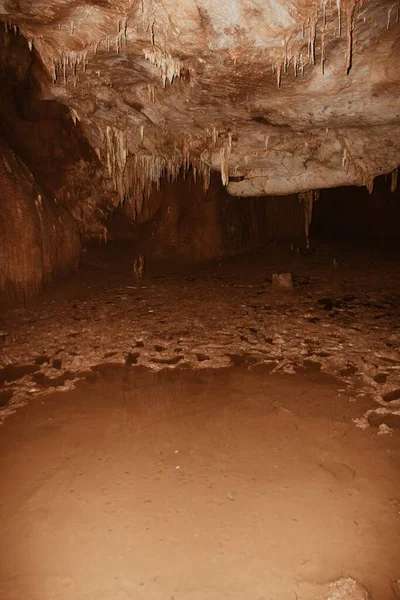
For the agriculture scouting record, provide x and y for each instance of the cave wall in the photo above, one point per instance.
(43, 133)
(192, 225)
(352, 212)
(285, 218)
(39, 238)
(181, 221)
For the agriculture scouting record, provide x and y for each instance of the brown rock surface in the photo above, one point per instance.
(281, 97)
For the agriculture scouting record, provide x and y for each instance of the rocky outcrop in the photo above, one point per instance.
(42, 133)
(38, 237)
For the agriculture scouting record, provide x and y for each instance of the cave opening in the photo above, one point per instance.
(199, 302)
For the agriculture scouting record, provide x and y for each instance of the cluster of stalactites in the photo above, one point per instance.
(134, 175)
(318, 31)
(68, 62)
(356, 165)
(169, 67)
(68, 65)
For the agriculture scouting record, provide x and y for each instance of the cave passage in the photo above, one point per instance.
(199, 300)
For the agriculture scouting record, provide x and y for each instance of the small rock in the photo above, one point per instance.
(347, 588)
(282, 281)
(384, 429)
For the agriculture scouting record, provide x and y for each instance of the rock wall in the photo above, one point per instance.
(351, 212)
(44, 135)
(181, 221)
(38, 238)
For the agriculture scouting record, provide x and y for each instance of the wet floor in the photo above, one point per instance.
(182, 484)
(342, 318)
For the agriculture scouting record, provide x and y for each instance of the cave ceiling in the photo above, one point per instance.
(280, 96)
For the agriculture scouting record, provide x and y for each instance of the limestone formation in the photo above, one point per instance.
(39, 238)
(281, 97)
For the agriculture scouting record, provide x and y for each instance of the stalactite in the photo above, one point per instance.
(390, 10)
(312, 38)
(186, 148)
(349, 36)
(393, 180)
(285, 60)
(64, 69)
(279, 75)
(225, 152)
(121, 37)
(338, 6)
(215, 136)
(68, 64)
(116, 157)
(170, 68)
(103, 235)
(74, 115)
(206, 175)
(302, 65)
(324, 12)
(345, 159)
(346, 156)
(307, 200)
(151, 92)
(98, 152)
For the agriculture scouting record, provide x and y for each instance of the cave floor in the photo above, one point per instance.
(201, 435)
(342, 318)
(208, 484)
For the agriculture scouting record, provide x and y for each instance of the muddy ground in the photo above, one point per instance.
(202, 435)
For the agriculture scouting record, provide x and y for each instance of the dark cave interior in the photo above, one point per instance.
(199, 397)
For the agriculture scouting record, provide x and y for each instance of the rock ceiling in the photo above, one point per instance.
(280, 96)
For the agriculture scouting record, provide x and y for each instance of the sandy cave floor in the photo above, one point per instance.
(201, 435)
